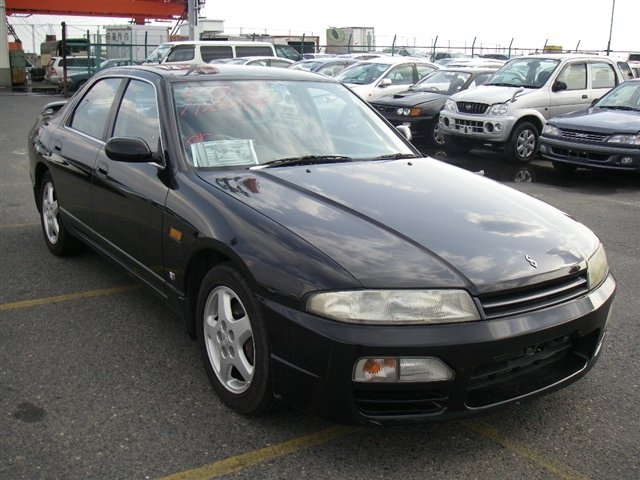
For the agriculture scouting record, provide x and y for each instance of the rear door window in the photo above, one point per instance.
(253, 51)
(214, 52)
(92, 112)
(602, 75)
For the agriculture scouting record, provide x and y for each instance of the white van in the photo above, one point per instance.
(205, 51)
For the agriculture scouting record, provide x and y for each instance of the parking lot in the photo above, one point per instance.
(98, 379)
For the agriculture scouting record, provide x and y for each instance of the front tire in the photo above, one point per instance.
(58, 239)
(523, 144)
(234, 342)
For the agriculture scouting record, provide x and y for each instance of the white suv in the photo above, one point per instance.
(511, 109)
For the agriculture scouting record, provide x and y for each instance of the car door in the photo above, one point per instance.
(577, 95)
(129, 198)
(75, 147)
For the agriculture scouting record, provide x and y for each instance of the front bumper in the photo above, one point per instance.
(590, 156)
(477, 128)
(496, 362)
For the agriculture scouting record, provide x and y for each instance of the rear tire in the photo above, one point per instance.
(233, 341)
(522, 146)
(58, 239)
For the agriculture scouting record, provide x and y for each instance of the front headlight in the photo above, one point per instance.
(395, 307)
(597, 268)
(626, 139)
(551, 131)
(409, 112)
(450, 105)
(498, 109)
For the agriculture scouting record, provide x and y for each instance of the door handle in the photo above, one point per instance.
(584, 97)
(102, 169)
(57, 147)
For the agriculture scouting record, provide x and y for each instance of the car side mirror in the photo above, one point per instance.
(405, 131)
(128, 149)
(595, 100)
(385, 82)
(559, 85)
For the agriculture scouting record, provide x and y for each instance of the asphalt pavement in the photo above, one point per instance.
(98, 379)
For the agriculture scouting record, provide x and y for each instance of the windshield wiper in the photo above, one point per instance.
(503, 84)
(394, 156)
(618, 107)
(305, 160)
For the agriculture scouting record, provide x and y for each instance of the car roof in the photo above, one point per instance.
(219, 70)
(563, 56)
(216, 42)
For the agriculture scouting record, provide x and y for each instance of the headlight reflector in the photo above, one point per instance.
(597, 267)
(551, 130)
(626, 139)
(450, 105)
(395, 307)
(498, 109)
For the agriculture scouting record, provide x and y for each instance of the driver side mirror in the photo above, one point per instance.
(558, 86)
(405, 131)
(385, 82)
(128, 149)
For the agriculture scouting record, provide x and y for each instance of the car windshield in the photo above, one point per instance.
(524, 72)
(251, 123)
(624, 97)
(362, 73)
(159, 53)
(442, 81)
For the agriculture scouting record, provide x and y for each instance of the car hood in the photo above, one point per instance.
(491, 94)
(409, 98)
(416, 223)
(601, 120)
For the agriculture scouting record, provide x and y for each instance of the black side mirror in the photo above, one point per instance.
(128, 149)
(558, 86)
(595, 100)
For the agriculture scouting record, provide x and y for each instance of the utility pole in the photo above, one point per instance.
(613, 8)
(191, 18)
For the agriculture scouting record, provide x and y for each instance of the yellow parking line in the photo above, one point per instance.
(245, 460)
(560, 470)
(65, 298)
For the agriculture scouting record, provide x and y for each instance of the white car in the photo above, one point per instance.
(376, 77)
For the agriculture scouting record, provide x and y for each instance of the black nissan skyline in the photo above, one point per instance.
(314, 254)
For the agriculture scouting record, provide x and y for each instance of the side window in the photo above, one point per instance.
(138, 114)
(215, 52)
(575, 76)
(181, 53)
(92, 112)
(401, 75)
(602, 76)
(253, 51)
(424, 70)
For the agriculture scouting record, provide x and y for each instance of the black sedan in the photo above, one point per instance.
(607, 135)
(313, 253)
(419, 106)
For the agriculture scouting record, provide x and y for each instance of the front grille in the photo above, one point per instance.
(376, 403)
(530, 369)
(580, 154)
(583, 136)
(472, 108)
(386, 109)
(468, 125)
(530, 299)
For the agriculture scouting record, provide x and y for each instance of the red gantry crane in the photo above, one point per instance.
(139, 10)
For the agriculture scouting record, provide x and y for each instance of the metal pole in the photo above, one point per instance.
(578, 45)
(613, 8)
(473, 45)
(510, 47)
(191, 18)
(64, 59)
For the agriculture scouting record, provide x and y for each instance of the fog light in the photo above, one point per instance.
(445, 121)
(543, 148)
(424, 370)
(626, 160)
(497, 126)
(392, 370)
(488, 127)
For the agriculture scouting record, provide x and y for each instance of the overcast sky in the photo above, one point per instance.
(454, 22)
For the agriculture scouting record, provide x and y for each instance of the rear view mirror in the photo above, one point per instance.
(558, 86)
(128, 149)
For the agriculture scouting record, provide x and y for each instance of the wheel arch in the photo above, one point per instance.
(39, 172)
